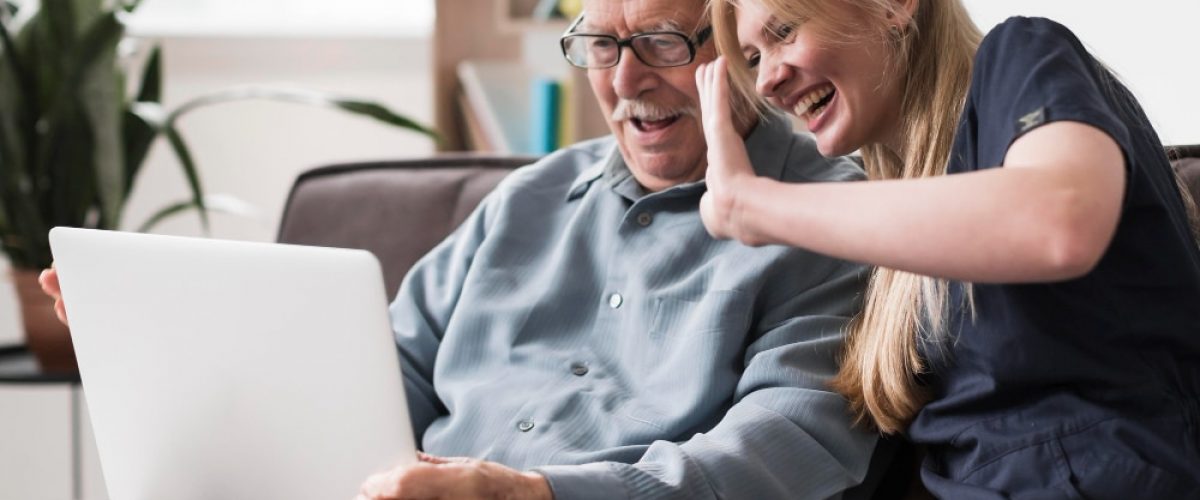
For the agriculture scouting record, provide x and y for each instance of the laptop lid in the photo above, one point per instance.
(226, 370)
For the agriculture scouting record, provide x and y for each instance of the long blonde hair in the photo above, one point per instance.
(933, 58)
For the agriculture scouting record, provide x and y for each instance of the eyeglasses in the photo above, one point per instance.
(661, 49)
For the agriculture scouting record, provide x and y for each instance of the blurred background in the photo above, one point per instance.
(383, 50)
(451, 64)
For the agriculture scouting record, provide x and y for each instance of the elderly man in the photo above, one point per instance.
(582, 336)
(582, 326)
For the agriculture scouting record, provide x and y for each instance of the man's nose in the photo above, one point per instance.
(631, 77)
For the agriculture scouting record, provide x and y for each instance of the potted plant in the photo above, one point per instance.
(72, 142)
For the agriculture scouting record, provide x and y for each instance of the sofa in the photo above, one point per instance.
(399, 210)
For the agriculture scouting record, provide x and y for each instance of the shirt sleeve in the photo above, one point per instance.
(422, 308)
(786, 436)
(1030, 72)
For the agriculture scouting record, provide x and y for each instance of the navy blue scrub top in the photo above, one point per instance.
(1085, 388)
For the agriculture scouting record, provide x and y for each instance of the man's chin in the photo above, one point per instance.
(659, 170)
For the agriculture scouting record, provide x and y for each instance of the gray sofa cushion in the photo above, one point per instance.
(398, 210)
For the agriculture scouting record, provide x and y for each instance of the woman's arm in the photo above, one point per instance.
(1047, 215)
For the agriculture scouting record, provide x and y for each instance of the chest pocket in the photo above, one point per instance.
(689, 366)
(725, 311)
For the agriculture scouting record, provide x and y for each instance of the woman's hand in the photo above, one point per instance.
(49, 281)
(729, 168)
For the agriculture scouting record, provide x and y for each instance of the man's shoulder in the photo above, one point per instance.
(559, 169)
(806, 164)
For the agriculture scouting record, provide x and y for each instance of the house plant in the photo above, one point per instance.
(72, 141)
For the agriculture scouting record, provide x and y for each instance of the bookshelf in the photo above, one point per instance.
(486, 54)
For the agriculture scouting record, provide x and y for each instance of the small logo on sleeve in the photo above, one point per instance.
(1032, 119)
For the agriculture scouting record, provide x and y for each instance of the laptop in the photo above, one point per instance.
(233, 370)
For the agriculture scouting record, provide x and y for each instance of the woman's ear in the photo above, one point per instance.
(902, 13)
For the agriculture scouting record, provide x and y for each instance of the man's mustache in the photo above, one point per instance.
(647, 110)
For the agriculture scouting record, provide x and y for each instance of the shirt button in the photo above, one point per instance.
(525, 426)
(644, 219)
(579, 369)
(615, 300)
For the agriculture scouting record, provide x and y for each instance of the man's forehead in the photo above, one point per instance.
(641, 15)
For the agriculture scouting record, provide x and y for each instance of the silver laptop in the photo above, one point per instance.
(233, 370)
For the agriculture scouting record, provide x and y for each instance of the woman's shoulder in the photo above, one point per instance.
(1024, 33)
(1021, 50)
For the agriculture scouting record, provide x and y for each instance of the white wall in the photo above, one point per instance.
(1151, 44)
(254, 150)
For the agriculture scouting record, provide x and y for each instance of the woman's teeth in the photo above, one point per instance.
(813, 102)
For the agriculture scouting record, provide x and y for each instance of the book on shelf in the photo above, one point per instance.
(509, 107)
(544, 123)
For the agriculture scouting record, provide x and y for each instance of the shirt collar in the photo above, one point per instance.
(768, 146)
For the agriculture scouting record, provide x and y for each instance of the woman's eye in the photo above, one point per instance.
(752, 60)
(785, 31)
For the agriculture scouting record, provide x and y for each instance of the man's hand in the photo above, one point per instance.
(49, 281)
(455, 478)
(728, 163)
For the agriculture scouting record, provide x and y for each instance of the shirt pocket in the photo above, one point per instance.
(716, 311)
(689, 366)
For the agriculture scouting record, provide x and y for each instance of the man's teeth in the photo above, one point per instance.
(654, 118)
(647, 123)
(807, 102)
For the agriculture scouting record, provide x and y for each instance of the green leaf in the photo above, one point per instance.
(69, 178)
(189, 169)
(144, 118)
(60, 17)
(139, 135)
(17, 101)
(363, 108)
(151, 82)
(103, 102)
(65, 126)
(130, 5)
(382, 114)
(221, 203)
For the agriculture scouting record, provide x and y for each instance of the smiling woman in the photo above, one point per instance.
(1033, 305)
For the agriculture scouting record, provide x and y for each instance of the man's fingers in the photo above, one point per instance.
(433, 481)
(49, 281)
(423, 480)
(433, 459)
(383, 486)
(60, 310)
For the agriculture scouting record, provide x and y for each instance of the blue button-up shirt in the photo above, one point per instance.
(581, 327)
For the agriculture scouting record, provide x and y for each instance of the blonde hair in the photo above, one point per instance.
(933, 57)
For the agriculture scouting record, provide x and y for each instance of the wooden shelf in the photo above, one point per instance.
(489, 36)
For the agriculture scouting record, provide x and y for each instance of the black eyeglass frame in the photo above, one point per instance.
(693, 42)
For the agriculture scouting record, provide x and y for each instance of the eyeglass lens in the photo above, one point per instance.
(654, 49)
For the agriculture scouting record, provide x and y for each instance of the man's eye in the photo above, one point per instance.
(664, 43)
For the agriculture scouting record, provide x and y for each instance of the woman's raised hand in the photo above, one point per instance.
(728, 163)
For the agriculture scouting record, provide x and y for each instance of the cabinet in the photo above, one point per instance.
(47, 450)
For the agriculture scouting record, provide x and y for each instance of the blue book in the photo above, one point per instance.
(544, 117)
